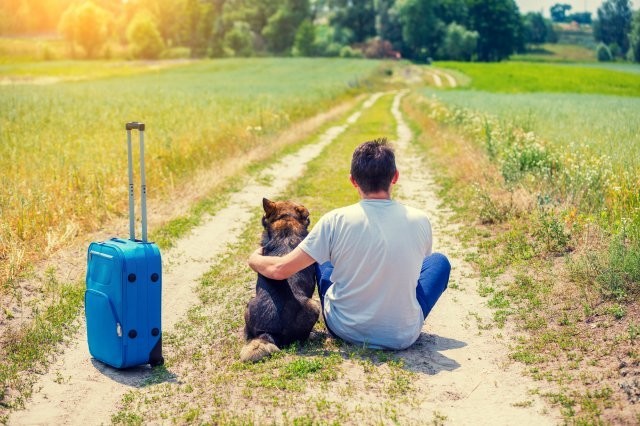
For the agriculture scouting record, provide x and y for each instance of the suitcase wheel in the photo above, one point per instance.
(157, 362)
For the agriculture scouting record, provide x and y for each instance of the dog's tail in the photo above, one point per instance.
(256, 349)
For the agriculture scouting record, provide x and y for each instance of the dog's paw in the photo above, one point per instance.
(257, 349)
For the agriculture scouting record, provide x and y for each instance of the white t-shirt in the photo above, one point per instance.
(377, 248)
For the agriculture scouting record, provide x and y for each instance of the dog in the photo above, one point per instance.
(282, 311)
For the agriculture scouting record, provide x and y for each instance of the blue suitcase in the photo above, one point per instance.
(124, 289)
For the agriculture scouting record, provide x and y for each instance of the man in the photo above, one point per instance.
(379, 279)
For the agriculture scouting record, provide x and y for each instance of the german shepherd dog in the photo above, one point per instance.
(282, 311)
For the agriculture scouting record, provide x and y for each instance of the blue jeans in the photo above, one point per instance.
(432, 282)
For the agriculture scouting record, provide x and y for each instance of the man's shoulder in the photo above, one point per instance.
(342, 212)
(413, 211)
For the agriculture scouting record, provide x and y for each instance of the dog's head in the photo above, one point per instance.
(283, 217)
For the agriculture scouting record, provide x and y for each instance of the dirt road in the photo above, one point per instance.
(462, 371)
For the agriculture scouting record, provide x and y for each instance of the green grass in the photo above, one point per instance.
(603, 124)
(525, 77)
(62, 146)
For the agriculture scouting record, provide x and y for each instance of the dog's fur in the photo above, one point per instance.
(282, 311)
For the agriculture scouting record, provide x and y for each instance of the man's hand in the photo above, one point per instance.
(279, 268)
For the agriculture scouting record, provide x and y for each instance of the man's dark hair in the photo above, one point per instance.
(373, 166)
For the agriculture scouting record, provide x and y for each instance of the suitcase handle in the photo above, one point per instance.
(134, 125)
(143, 204)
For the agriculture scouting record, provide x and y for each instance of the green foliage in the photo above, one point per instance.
(357, 16)
(559, 12)
(239, 40)
(526, 156)
(282, 25)
(459, 44)
(349, 52)
(145, 41)
(86, 25)
(634, 38)
(614, 23)
(551, 233)
(304, 42)
(422, 30)
(498, 25)
(535, 28)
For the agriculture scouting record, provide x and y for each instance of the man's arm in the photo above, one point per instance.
(279, 268)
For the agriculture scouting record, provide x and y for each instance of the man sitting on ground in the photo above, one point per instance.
(378, 277)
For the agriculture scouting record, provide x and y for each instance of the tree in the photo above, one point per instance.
(603, 53)
(239, 40)
(197, 25)
(422, 30)
(357, 15)
(452, 11)
(388, 26)
(459, 43)
(304, 42)
(86, 25)
(164, 14)
(281, 27)
(559, 12)
(580, 18)
(145, 41)
(535, 28)
(614, 23)
(498, 25)
(634, 38)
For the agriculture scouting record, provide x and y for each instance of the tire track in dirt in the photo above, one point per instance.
(465, 372)
(80, 390)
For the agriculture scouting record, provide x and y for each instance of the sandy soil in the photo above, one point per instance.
(462, 370)
(466, 374)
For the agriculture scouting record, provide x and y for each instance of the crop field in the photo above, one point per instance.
(518, 77)
(62, 145)
(602, 123)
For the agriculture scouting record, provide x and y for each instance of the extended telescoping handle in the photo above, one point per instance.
(143, 204)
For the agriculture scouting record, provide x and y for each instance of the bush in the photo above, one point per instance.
(349, 52)
(528, 158)
(145, 41)
(377, 48)
(239, 41)
(304, 42)
(603, 53)
(86, 25)
(459, 43)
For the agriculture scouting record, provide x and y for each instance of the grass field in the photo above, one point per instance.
(62, 145)
(520, 77)
(604, 124)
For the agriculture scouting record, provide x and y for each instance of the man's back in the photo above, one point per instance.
(377, 248)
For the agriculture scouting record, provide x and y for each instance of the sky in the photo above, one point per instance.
(576, 5)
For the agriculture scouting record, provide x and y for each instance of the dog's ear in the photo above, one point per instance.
(303, 213)
(269, 206)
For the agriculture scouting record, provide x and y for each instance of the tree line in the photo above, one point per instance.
(420, 30)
